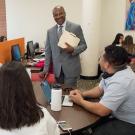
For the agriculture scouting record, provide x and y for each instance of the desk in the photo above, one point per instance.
(33, 69)
(76, 116)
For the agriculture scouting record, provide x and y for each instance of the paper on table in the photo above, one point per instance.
(38, 59)
(70, 38)
(67, 101)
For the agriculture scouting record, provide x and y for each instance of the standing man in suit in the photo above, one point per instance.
(66, 62)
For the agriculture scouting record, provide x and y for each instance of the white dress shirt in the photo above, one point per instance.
(63, 26)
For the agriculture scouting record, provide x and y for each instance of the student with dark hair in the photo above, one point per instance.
(116, 92)
(20, 114)
(118, 39)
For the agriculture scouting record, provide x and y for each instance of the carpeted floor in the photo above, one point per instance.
(87, 84)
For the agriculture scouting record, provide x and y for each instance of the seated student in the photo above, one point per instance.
(118, 39)
(20, 114)
(129, 45)
(117, 93)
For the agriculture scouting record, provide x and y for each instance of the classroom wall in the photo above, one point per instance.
(31, 18)
(2, 18)
(113, 21)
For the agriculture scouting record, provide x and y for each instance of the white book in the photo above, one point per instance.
(70, 38)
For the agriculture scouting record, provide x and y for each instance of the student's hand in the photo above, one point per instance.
(68, 49)
(76, 97)
(43, 75)
(73, 92)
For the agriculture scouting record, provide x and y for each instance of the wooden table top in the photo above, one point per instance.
(75, 116)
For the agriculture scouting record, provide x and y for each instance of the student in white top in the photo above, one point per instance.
(20, 114)
(117, 93)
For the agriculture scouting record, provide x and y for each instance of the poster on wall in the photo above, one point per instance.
(130, 15)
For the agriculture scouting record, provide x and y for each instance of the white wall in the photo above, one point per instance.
(113, 21)
(31, 18)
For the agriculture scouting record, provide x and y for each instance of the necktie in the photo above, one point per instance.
(60, 31)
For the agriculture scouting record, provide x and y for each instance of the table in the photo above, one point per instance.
(75, 116)
(32, 68)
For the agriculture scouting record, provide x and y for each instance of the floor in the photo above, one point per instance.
(86, 84)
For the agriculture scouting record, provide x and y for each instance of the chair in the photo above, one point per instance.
(16, 54)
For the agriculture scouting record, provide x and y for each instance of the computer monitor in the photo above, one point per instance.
(16, 54)
(30, 49)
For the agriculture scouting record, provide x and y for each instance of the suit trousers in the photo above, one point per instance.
(68, 82)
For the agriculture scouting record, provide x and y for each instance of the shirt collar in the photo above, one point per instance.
(64, 25)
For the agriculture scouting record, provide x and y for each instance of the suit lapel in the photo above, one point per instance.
(68, 26)
(55, 33)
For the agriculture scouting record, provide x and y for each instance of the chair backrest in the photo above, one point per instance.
(36, 45)
(16, 54)
(6, 46)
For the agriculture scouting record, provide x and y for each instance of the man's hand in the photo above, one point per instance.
(43, 75)
(68, 49)
(76, 96)
(73, 92)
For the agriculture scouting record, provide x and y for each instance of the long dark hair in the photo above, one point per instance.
(117, 39)
(18, 105)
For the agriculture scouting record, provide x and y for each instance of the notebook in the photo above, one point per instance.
(70, 38)
(47, 92)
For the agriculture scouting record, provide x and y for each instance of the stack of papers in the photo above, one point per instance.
(70, 38)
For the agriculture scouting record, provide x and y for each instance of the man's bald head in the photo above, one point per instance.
(59, 14)
(58, 8)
